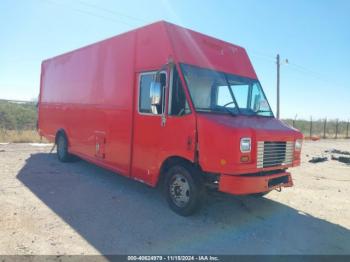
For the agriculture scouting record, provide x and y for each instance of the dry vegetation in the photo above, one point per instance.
(18, 122)
(23, 136)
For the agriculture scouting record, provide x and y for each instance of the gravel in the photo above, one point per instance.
(47, 207)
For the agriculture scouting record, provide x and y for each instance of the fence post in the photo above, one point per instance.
(336, 129)
(324, 127)
(295, 118)
(310, 127)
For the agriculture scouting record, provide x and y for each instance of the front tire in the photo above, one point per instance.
(184, 189)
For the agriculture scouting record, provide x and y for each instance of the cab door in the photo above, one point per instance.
(161, 132)
(147, 127)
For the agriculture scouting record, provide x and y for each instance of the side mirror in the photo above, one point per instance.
(257, 101)
(155, 93)
(263, 105)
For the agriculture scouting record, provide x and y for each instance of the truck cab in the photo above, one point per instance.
(239, 146)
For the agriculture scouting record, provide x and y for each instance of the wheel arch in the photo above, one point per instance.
(171, 161)
(59, 132)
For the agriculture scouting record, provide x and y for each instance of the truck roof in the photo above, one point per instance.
(190, 47)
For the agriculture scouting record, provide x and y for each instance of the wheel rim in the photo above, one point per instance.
(180, 190)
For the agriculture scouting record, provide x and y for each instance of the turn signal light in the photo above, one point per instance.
(244, 159)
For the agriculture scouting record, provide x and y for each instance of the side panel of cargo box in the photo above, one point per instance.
(88, 93)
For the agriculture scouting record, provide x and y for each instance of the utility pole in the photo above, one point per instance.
(295, 119)
(278, 63)
(278, 85)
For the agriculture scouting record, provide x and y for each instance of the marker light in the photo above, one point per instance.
(298, 144)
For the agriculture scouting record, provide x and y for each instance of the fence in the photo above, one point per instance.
(322, 128)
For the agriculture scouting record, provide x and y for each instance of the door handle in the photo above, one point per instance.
(189, 143)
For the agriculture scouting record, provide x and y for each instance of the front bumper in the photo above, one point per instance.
(250, 184)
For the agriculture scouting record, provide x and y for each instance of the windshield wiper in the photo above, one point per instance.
(230, 112)
(263, 111)
(232, 95)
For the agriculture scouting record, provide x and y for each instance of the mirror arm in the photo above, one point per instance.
(170, 64)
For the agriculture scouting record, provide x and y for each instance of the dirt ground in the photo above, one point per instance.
(47, 207)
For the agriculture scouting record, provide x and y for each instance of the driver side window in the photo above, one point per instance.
(178, 105)
(145, 106)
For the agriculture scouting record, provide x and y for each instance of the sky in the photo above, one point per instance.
(314, 35)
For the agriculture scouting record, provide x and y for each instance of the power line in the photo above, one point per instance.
(262, 55)
(111, 11)
(314, 74)
(298, 68)
(256, 54)
(267, 60)
(89, 13)
(304, 69)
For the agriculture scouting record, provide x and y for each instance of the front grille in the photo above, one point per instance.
(271, 154)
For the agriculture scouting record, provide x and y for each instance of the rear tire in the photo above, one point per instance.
(184, 189)
(62, 149)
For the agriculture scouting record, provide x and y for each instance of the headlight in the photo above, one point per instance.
(246, 144)
(298, 144)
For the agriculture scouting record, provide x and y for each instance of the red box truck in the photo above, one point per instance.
(165, 105)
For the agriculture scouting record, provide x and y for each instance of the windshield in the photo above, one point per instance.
(213, 91)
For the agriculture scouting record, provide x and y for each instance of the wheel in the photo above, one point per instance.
(261, 194)
(62, 149)
(184, 189)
